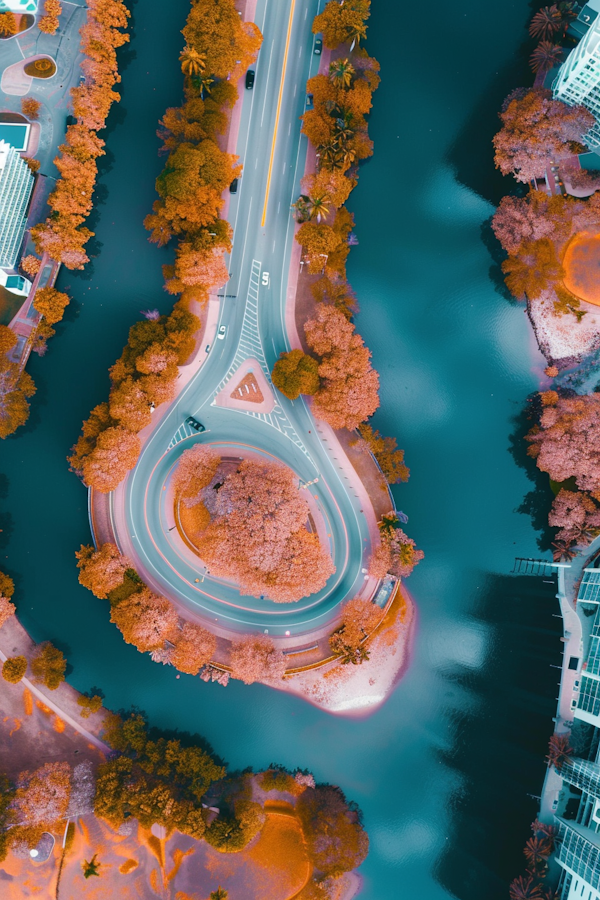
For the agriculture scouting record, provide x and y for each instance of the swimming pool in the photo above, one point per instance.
(15, 133)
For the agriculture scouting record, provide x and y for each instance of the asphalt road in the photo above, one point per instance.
(259, 266)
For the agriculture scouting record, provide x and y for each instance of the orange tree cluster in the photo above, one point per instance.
(343, 382)
(16, 386)
(190, 187)
(534, 230)
(564, 443)
(147, 621)
(154, 780)
(255, 532)
(63, 235)
(151, 623)
(219, 46)
(144, 376)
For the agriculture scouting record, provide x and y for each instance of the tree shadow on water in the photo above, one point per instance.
(472, 154)
(498, 745)
(538, 501)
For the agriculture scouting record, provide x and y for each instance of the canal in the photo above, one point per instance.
(443, 772)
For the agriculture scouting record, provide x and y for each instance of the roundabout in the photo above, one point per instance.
(226, 387)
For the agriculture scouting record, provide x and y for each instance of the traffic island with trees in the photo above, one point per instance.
(157, 811)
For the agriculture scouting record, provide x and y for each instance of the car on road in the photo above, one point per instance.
(250, 79)
(222, 332)
(318, 46)
(195, 424)
(234, 186)
(207, 348)
(309, 101)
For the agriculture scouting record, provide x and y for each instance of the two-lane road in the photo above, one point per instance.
(273, 153)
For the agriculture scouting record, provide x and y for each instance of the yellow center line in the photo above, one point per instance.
(285, 56)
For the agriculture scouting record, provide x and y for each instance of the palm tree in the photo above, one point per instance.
(204, 82)
(563, 551)
(192, 62)
(8, 23)
(546, 56)
(219, 894)
(318, 207)
(559, 751)
(356, 33)
(341, 72)
(302, 207)
(537, 850)
(549, 831)
(546, 23)
(525, 888)
(152, 315)
(331, 156)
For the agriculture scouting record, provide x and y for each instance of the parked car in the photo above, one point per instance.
(318, 46)
(250, 79)
(309, 101)
(195, 424)
(234, 186)
(221, 332)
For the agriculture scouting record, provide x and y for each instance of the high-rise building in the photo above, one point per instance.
(16, 185)
(579, 857)
(578, 79)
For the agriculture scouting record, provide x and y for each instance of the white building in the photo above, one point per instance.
(16, 185)
(578, 79)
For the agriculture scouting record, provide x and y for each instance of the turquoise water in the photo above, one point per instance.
(444, 769)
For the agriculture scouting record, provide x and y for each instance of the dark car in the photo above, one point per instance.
(309, 101)
(250, 79)
(318, 46)
(234, 186)
(195, 424)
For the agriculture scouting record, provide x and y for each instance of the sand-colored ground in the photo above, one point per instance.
(581, 263)
(139, 866)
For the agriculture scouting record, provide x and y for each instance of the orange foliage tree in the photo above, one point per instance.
(41, 801)
(349, 385)
(30, 107)
(536, 130)
(258, 535)
(16, 387)
(62, 236)
(395, 555)
(145, 620)
(102, 570)
(51, 304)
(8, 23)
(391, 460)
(342, 23)
(228, 45)
(255, 658)
(115, 453)
(194, 647)
(195, 469)
(359, 618)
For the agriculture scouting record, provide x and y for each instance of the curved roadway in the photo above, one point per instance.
(255, 321)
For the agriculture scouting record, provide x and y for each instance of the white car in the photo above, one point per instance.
(222, 332)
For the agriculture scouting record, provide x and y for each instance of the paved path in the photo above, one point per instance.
(59, 712)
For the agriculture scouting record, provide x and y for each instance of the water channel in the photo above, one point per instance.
(443, 771)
